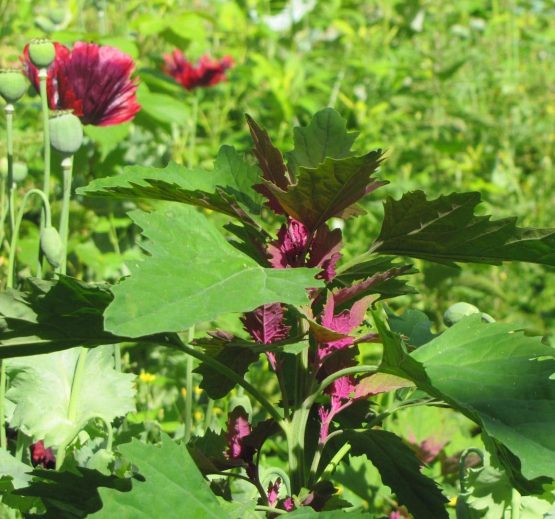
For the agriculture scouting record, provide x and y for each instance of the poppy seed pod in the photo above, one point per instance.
(52, 246)
(19, 170)
(66, 132)
(41, 53)
(12, 85)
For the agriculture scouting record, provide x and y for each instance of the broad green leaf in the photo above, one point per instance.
(306, 512)
(413, 324)
(53, 315)
(325, 136)
(495, 375)
(400, 470)
(192, 274)
(172, 484)
(447, 230)
(162, 108)
(41, 386)
(227, 188)
(328, 189)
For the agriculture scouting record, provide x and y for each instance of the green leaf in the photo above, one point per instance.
(329, 189)
(496, 376)
(162, 108)
(17, 470)
(40, 387)
(413, 324)
(447, 230)
(306, 512)
(226, 189)
(400, 470)
(501, 378)
(325, 136)
(171, 483)
(193, 275)
(53, 315)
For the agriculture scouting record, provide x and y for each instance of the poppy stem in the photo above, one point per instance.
(3, 444)
(9, 109)
(193, 136)
(15, 233)
(189, 389)
(67, 168)
(43, 75)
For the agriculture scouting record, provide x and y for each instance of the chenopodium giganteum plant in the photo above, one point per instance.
(279, 262)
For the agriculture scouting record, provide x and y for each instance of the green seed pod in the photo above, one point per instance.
(66, 132)
(19, 170)
(12, 85)
(52, 246)
(57, 16)
(42, 53)
(457, 312)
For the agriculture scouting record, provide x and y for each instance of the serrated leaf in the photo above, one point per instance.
(400, 470)
(325, 136)
(40, 388)
(192, 275)
(15, 469)
(447, 230)
(226, 189)
(53, 315)
(496, 376)
(171, 483)
(329, 189)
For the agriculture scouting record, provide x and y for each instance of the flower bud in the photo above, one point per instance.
(42, 53)
(52, 246)
(66, 132)
(57, 16)
(19, 170)
(457, 312)
(12, 85)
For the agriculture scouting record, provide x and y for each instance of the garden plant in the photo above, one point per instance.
(241, 335)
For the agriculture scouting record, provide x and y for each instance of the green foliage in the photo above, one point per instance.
(169, 481)
(447, 230)
(42, 389)
(400, 470)
(192, 275)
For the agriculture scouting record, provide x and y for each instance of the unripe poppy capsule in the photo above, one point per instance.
(12, 85)
(42, 53)
(52, 246)
(66, 132)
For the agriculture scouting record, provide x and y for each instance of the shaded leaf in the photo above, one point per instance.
(192, 275)
(447, 230)
(412, 324)
(400, 470)
(53, 315)
(171, 483)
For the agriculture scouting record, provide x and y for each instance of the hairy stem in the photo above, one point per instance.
(9, 109)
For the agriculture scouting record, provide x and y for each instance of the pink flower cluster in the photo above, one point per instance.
(207, 72)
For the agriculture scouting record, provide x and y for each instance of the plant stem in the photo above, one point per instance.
(193, 136)
(230, 374)
(189, 389)
(67, 168)
(278, 511)
(43, 75)
(208, 415)
(19, 219)
(332, 465)
(341, 373)
(73, 402)
(23, 442)
(9, 109)
(515, 504)
(3, 443)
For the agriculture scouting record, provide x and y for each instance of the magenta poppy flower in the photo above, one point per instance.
(207, 71)
(94, 81)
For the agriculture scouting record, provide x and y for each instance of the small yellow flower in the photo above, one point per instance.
(183, 392)
(217, 411)
(197, 416)
(452, 501)
(147, 378)
(197, 391)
